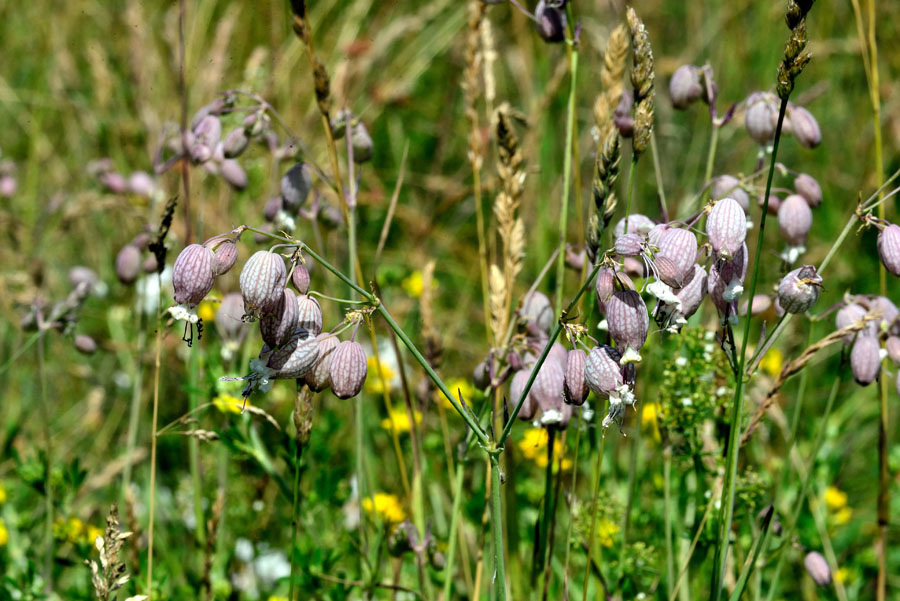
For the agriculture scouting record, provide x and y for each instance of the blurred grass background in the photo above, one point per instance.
(85, 79)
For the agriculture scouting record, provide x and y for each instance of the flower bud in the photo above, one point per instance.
(602, 372)
(296, 358)
(794, 220)
(272, 208)
(295, 187)
(608, 282)
(85, 345)
(193, 275)
(726, 227)
(235, 143)
(113, 182)
(362, 144)
(319, 377)
(761, 117)
(817, 568)
(128, 264)
(761, 304)
(234, 174)
(536, 309)
(205, 137)
(226, 253)
(262, 280)
(8, 186)
(798, 291)
(550, 22)
(728, 186)
(278, 327)
(807, 187)
(622, 116)
(310, 314)
(850, 314)
(805, 127)
(679, 247)
(481, 375)
(547, 389)
(889, 315)
(865, 359)
(637, 224)
(685, 87)
(348, 369)
(557, 354)
(83, 276)
(692, 293)
(228, 321)
(629, 245)
(725, 282)
(575, 387)
(575, 260)
(516, 387)
(889, 248)
(141, 184)
(628, 320)
(300, 278)
(893, 349)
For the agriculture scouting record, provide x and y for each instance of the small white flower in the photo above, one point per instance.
(630, 356)
(664, 293)
(687, 402)
(681, 362)
(551, 417)
(603, 326)
(734, 290)
(181, 313)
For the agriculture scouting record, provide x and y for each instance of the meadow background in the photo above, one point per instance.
(85, 79)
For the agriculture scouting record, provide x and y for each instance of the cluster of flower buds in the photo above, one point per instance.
(761, 119)
(689, 84)
(290, 323)
(134, 258)
(138, 183)
(282, 211)
(866, 351)
(361, 145)
(404, 538)
(8, 183)
(62, 315)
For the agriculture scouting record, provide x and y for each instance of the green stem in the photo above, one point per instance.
(711, 157)
(454, 524)
(657, 170)
(294, 517)
(632, 474)
(667, 504)
(731, 460)
(567, 169)
(194, 453)
(497, 530)
(135, 410)
(540, 550)
(630, 190)
(48, 469)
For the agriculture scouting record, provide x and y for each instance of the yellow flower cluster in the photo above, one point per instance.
(374, 382)
(606, 532)
(534, 447)
(385, 506)
(458, 386)
(229, 404)
(73, 530)
(4, 533)
(414, 284)
(399, 419)
(772, 362)
(836, 501)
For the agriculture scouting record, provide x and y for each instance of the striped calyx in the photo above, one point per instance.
(193, 275)
(262, 280)
(348, 369)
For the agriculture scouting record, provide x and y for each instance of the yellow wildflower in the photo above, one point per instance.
(2, 494)
(650, 419)
(386, 506)
(207, 311)
(374, 382)
(843, 575)
(606, 532)
(534, 447)
(835, 498)
(414, 284)
(228, 404)
(400, 420)
(4, 533)
(93, 533)
(842, 516)
(277, 598)
(772, 362)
